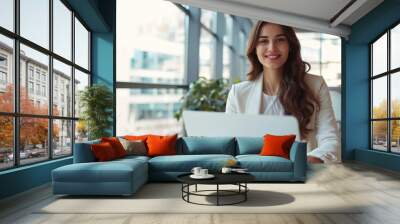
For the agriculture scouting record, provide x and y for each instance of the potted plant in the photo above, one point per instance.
(205, 95)
(96, 102)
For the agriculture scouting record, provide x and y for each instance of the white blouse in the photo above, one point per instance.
(271, 105)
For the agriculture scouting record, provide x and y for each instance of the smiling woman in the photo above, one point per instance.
(278, 84)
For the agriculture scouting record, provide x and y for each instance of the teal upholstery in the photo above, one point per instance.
(206, 145)
(249, 145)
(298, 155)
(257, 163)
(184, 163)
(126, 175)
(83, 152)
(119, 177)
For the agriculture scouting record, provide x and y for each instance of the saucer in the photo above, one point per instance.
(208, 176)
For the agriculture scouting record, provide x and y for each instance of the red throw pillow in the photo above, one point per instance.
(161, 145)
(103, 151)
(277, 145)
(116, 145)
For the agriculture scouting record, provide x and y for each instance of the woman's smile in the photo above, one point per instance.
(272, 56)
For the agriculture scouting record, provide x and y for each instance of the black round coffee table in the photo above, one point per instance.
(238, 179)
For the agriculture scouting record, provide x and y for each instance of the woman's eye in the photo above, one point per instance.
(281, 39)
(263, 41)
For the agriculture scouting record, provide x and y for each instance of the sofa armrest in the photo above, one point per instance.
(298, 155)
(83, 152)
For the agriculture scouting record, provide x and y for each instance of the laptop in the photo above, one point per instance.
(220, 124)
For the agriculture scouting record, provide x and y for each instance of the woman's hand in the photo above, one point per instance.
(312, 159)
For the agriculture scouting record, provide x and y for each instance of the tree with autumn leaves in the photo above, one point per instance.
(380, 127)
(33, 131)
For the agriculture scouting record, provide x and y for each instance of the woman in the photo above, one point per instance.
(278, 84)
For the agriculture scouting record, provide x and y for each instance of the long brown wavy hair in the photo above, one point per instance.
(294, 93)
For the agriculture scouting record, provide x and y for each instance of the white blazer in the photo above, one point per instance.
(322, 142)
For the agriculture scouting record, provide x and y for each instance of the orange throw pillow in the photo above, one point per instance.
(161, 145)
(103, 151)
(116, 145)
(277, 145)
(136, 137)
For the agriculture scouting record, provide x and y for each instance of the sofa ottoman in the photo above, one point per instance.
(119, 177)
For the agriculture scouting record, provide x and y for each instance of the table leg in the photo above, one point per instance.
(245, 193)
(217, 194)
(196, 188)
(188, 192)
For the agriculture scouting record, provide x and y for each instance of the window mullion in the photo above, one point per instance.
(50, 81)
(73, 81)
(16, 83)
(389, 76)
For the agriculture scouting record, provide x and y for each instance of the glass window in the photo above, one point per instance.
(228, 29)
(395, 136)
(35, 21)
(379, 135)
(381, 140)
(81, 131)
(226, 61)
(6, 75)
(81, 82)
(242, 44)
(62, 72)
(207, 18)
(6, 142)
(151, 113)
(31, 57)
(152, 41)
(30, 72)
(33, 140)
(379, 56)
(43, 90)
(323, 52)
(38, 92)
(206, 50)
(62, 138)
(395, 47)
(379, 98)
(7, 14)
(62, 29)
(34, 80)
(395, 95)
(30, 88)
(81, 45)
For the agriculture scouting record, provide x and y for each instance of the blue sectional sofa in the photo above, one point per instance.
(125, 176)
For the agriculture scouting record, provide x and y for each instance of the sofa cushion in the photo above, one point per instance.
(116, 145)
(277, 145)
(103, 152)
(159, 145)
(257, 163)
(83, 152)
(111, 171)
(134, 147)
(249, 145)
(185, 163)
(206, 145)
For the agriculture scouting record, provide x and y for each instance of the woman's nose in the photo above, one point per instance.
(272, 45)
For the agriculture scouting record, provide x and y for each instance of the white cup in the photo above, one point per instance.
(203, 172)
(196, 171)
(226, 170)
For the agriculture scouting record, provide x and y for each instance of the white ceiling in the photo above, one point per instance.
(313, 15)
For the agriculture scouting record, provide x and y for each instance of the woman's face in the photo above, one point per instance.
(272, 46)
